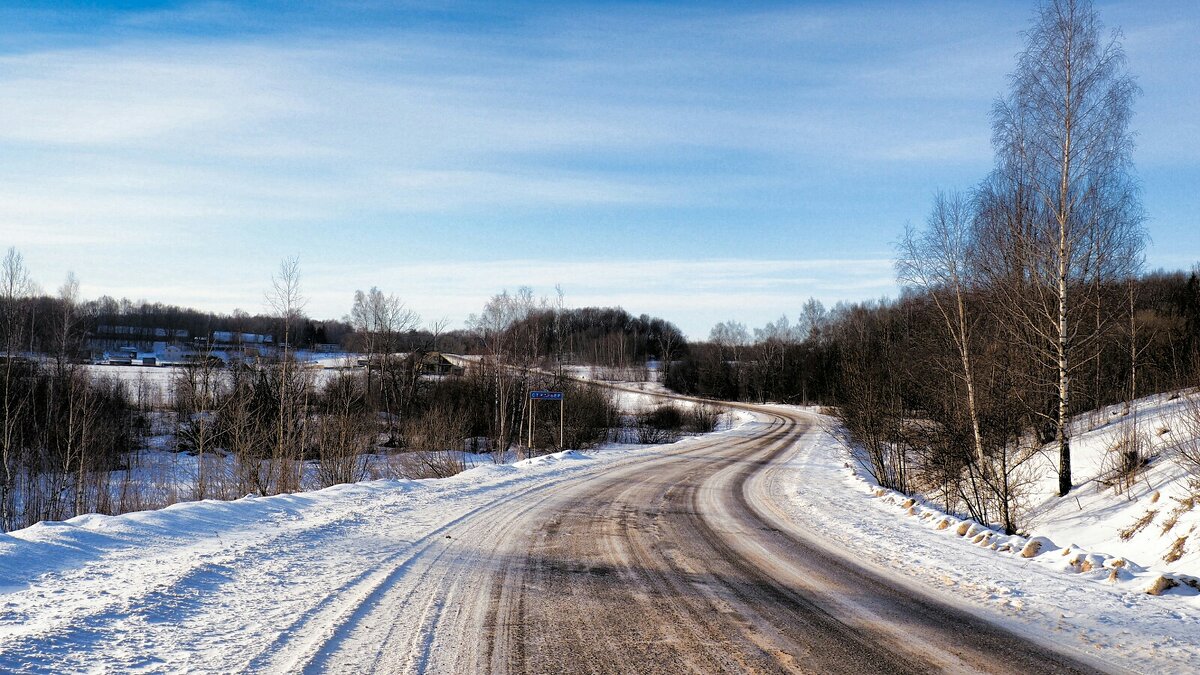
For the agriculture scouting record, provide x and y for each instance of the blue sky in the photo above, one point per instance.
(701, 162)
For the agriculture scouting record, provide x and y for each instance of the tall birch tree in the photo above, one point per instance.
(1062, 211)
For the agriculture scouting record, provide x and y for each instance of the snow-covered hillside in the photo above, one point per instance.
(1083, 572)
(1150, 522)
(1155, 522)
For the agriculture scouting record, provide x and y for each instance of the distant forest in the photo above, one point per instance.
(902, 342)
(607, 336)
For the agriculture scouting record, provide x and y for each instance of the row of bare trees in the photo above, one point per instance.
(73, 441)
(545, 331)
(1019, 285)
(527, 342)
(894, 372)
(70, 436)
(1030, 278)
(782, 361)
(1054, 226)
(62, 430)
(258, 426)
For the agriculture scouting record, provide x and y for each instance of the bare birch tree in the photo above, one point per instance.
(380, 319)
(1062, 210)
(77, 390)
(492, 325)
(288, 303)
(936, 260)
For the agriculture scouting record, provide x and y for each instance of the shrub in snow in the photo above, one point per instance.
(1092, 561)
(704, 418)
(1117, 574)
(663, 424)
(1185, 505)
(667, 422)
(1161, 584)
(1176, 551)
(1036, 546)
(1138, 525)
(1126, 458)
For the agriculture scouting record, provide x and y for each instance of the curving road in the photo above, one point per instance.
(676, 563)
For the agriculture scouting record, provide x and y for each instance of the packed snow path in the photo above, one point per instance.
(674, 559)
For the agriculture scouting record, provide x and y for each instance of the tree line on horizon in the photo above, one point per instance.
(73, 438)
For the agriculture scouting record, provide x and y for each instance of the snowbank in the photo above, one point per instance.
(1089, 593)
(29, 553)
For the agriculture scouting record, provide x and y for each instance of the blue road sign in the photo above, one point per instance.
(546, 395)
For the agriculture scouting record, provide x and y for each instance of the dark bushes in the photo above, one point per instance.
(667, 422)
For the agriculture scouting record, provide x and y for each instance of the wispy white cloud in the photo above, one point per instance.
(687, 291)
(207, 14)
(125, 96)
(441, 189)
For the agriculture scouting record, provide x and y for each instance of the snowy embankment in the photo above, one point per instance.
(1082, 577)
(208, 585)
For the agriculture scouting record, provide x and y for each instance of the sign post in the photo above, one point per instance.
(541, 395)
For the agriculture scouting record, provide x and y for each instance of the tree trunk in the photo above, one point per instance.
(1062, 433)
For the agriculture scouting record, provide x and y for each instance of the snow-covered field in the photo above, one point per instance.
(636, 397)
(1081, 583)
(147, 385)
(152, 385)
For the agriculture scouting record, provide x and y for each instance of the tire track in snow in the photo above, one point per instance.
(305, 644)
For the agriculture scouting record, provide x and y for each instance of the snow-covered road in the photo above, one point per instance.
(701, 555)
